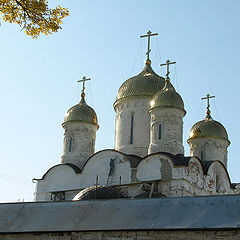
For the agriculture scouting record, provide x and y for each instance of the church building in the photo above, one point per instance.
(143, 189)
(148, 158)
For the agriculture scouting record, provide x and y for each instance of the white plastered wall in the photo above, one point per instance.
(99, 165)
(217, 180)
(139, 107)
(209, 149)
(59, 178)
(64, 178)
(79, 142)
(154, 167)
(172, 180)
(171, 121)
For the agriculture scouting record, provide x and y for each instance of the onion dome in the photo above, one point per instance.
(146, 83)
(81, 113)
(208, 128)
(167, 97)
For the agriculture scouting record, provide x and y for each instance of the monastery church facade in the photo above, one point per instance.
(148, 157)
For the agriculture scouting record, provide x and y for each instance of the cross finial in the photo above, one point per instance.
(149, 34)
(167, 64)
(83, 80)
(208, 102)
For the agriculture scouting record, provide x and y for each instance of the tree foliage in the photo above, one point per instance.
(34, 16)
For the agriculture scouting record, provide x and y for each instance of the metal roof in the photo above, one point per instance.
(208, 128)
(167, 97)
(81, 112)
(146, 83)
(219, 212)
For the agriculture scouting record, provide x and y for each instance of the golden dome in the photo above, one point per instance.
(81, 112)
(167, 97)
(208, 128)
(146, 83)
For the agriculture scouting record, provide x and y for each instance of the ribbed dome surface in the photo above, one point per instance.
(146, 83)
(208, 128)
(168, 97)
(81, 113)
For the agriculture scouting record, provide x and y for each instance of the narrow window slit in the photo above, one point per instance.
(217, 184)
(131, 129)
(159, 131)
(70, 145)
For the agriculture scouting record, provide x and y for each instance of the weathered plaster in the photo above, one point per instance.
(171, 120)
(139, 107)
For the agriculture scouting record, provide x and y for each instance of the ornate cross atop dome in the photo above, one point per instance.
(149, 34)
(167, 64)
(83, 80)
(208, 102)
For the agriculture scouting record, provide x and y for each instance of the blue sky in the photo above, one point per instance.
(100, 39)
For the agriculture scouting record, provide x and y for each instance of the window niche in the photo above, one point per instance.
(70, 145)
(159, 131)
(131, 128)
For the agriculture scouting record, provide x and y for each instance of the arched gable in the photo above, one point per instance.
(217, 180)
(155, 166)
(58, 178)
(75, 168)
(194, 172)
(106, 167)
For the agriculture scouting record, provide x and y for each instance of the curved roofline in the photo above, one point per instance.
(207, 164)
(146, 70)
(186, 160)
(74, 167)
(209, 120)
(178, 160)
(225, 169)
(126, 156)
(81, 104)
(204, 171)
(175, 162)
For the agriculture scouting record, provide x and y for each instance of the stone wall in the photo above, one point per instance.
(127, 235)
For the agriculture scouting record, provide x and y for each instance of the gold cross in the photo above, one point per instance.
(148, 36)
(208, 97)
(167, 64)
(84, 79)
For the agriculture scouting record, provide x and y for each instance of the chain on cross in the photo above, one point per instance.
(208, 98)
(149, 34)
(167, 64)
(83, 80)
